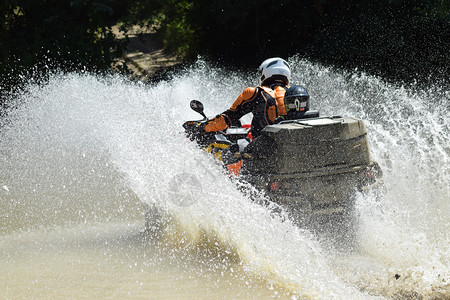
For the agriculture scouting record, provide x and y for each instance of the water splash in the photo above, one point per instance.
(82, 148)
(404, 236)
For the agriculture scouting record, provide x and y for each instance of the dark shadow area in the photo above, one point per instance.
(403, 42)
(144, 42)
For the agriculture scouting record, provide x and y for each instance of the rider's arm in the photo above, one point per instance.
(230, 117)
(216, 124)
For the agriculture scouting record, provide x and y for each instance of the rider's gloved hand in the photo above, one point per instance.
(279, 119)
(200, 127)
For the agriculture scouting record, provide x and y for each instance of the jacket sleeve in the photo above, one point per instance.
(216, 124)
(240, 107)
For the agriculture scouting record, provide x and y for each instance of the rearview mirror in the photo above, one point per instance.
(197, 106)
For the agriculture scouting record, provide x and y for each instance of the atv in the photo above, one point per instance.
(311, 166)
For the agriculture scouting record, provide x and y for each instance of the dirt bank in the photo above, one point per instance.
(145, 56)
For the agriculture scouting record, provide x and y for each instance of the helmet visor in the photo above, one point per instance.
(297, 103)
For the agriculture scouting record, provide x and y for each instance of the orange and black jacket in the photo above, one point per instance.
(264, 102)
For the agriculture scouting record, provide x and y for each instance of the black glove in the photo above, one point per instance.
(198, 128)
(279, 119)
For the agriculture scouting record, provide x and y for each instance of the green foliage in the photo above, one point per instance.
(397, 39)
(178, 33)
(45, 34)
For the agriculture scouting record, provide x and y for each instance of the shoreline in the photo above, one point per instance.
(145, 56)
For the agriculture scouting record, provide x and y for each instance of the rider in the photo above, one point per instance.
(297, 106)
(265, 101)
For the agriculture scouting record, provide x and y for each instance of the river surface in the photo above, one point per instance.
(82, 154)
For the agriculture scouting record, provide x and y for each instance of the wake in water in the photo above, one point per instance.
(84, 148)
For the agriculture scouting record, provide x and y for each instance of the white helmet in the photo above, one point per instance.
(276, 69)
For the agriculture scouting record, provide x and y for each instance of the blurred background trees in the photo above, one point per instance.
(400, 40)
